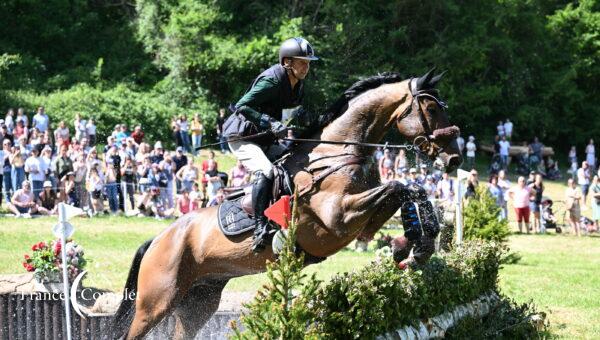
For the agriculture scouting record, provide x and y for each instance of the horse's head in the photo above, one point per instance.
(425, 122)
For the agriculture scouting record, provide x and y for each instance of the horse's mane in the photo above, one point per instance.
(358, 88)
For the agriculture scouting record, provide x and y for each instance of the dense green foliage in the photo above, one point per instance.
(374, 299)
(507, 320)
(482, 218)
(534, 61)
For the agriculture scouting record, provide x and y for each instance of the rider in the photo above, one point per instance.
(275, 93)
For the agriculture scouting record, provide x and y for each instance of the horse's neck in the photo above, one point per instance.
(366, 120)
(368, 116)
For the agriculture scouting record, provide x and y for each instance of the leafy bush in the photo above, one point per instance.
(377, 298)
(381, 297)
(120, 104)
(482, 218)
(506, 320)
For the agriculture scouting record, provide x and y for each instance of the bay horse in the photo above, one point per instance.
(184, 269)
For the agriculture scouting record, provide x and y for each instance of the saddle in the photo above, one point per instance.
(236, 213)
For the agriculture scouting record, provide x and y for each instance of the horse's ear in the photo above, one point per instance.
(423, 81)
(435, 79)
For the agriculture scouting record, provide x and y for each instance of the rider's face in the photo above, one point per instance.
(299, 67)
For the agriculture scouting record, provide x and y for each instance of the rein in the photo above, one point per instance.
(408, 147)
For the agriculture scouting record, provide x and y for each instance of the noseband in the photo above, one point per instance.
(423, 143)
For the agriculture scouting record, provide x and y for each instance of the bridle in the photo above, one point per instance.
(423, 143)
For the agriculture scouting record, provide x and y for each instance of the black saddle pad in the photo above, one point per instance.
(233, 220)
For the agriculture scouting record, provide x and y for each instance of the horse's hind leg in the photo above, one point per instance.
(192, 313)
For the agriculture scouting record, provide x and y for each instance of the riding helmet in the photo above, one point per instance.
(296, 48)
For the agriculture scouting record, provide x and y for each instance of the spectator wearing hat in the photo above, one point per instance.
(403, 176)
(22, 203)
(471, 148)
(412, 176)
(36, 173)
(47, 200)
(157, 155)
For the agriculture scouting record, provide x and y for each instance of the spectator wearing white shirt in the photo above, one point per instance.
(40, 120)
(461, 143)
(504, 152)
(471, 148)
(445, 188)
(583, 180)
(35, 170)
(90, 129)
(21, 116)
(508, 129)
(500, 129)
(504, 185)
(9, 120)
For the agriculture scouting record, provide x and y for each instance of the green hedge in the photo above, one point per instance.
(377, 298)
(381, 297)
(119, 104)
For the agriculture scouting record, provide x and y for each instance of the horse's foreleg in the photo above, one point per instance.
(377, 204)
(197, 308)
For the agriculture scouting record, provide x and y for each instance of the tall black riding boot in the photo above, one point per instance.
(261, 196)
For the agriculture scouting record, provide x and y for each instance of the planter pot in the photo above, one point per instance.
(48, 287)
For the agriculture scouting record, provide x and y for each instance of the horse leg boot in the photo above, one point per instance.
(261, 197)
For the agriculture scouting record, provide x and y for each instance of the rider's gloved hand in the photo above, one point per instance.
(278, 129)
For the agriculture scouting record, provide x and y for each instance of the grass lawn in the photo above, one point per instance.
(558, 272)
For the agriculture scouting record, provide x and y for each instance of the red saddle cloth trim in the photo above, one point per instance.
(280, 212)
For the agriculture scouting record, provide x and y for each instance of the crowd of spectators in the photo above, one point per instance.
(126, 174)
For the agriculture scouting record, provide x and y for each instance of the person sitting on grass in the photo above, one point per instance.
(22, 203)
(197, 195)
(185, 204)
(47, 200)
(152, 205)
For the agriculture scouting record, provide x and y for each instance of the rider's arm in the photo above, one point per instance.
(264, 91)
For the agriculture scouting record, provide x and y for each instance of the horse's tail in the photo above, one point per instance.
(124, 315)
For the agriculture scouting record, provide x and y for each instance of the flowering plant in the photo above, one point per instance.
(46, 260)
